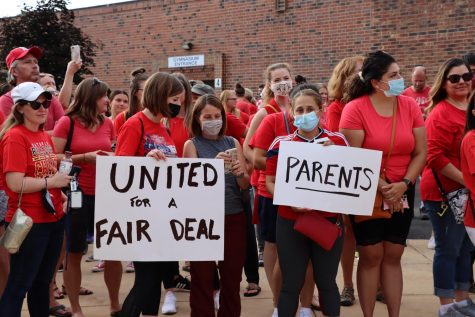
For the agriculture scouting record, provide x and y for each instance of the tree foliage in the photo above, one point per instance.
(50, 26)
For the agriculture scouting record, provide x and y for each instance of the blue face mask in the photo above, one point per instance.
(396, 87)
(306, 122)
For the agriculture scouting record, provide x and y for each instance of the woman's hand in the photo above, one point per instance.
(394, 191)
(301, 210)
(90, 157)
(157, 154)
(226, 157)
(59, 180)
(237, 169)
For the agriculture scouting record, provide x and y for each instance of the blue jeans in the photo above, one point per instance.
(32, 269)
(451, 267)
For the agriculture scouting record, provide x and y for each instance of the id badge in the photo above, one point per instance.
(76, 199)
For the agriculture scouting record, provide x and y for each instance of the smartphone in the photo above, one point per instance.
(75, 53)
(233, 153)
(75, 170)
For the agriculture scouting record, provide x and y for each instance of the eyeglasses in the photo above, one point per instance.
(455, 78)
(35, 105)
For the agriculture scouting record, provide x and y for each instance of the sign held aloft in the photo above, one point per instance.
(148, 210)
(328, 178)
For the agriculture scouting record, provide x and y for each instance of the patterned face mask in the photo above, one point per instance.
(281, 88)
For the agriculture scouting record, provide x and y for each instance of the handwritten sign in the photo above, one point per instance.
(169, 210)
(329, 178)
(186, 61)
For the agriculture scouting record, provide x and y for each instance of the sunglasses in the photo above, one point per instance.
(455, 78)
(35, 105)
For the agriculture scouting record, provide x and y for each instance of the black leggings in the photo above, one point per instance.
(294, 251)
(144, 297)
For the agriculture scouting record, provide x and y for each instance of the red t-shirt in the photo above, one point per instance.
(445, 125)
(359, 114)
(244, 117)
(234, 126)
(31, 153)
(467, 156)
(83, 141)
(179, 133)
(421, 98)
(272, 126)
(155, 136)
(55, 110)
(333, 115)
(272, 159)
(119, 122)
(246, 106)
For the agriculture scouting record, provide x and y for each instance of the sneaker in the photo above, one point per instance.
(261, 259)
(431, 243)
(99, 267)
(90, 258)
(380, 296)
(275, 313)
(182, 284)
(216, 300)
(347, 297)
(305, 312)
(130, 268)
(468, 310)
(452, 312)
(169, 304)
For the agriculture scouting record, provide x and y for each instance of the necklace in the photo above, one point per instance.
(456, 104)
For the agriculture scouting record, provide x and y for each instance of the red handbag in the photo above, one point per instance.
(316, 227)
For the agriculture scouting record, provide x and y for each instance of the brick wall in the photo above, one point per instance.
(311, 35)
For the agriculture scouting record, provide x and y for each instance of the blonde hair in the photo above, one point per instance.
(14, 118)
(269, 94)
(344, 69)
(224, 97)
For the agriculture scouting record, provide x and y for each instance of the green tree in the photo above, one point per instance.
(50, 26)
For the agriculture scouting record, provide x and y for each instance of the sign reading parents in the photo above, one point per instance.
(148, 210)
(329, 178)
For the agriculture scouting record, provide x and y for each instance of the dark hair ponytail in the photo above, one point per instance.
(137, 76)
(239, 90)
(375, 65)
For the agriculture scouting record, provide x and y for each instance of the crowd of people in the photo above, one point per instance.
(426, 135)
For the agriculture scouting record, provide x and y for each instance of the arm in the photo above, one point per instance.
(450, 171)
(189, 150)
(259, 159)
(89, 157)
(248, 151)
(239, 168)
(14, 181)
(66, 90)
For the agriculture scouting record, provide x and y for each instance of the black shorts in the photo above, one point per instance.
(78, 226)
(394, 229)
(267, 218)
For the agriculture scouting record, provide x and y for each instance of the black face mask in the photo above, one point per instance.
(174, 109)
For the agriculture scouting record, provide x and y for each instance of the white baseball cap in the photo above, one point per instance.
(29, 91)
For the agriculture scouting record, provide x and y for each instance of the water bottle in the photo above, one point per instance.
(66, 163)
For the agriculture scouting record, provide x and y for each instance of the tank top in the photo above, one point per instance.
(206, 148)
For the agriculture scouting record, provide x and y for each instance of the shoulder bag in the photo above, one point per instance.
(456, 200)
(18, 228)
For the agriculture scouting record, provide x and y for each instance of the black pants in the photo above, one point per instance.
(144, 297)
(251, 266)
(171, 270)
(294, 251)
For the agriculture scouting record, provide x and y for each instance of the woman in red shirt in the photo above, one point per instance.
(145, 135)
(228, 98)
(119, 103)
(374, 111)
(343, 70)
(294, 249)
(92, 135)
(445, 129)
(29, 168)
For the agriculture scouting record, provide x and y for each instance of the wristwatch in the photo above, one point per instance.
(408, 182)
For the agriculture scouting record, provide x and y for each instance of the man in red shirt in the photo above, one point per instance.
(419, 91)
(22, 64)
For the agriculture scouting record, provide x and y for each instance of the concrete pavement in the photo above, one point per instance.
(417, 296)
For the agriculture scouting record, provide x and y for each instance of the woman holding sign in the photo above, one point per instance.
(145, 135)
(377, 118)
(294, 248)
(207, 126)
(446, 120)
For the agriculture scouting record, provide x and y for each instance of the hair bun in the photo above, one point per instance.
(137, 71)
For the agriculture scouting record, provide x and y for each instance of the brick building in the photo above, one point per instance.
(235, 40)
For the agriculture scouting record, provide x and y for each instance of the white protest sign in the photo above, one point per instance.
(148, 210)
(329, 178)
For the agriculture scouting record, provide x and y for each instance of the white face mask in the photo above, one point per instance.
(281, 88)
(211, 127)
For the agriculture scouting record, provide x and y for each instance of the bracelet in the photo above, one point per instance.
(46, 182)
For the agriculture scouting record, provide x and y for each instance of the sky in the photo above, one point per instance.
(13, 7)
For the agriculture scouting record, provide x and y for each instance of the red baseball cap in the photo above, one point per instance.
(20, 52)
